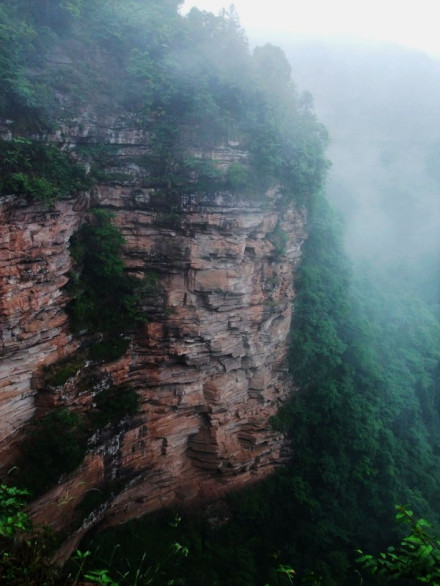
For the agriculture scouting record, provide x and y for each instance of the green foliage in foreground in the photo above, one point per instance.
(26, 551)
(12, 517)
(416, 559)
(25, 556)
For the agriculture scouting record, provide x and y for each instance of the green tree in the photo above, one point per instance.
(106, 299)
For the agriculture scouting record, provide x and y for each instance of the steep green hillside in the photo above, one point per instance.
(364, 413)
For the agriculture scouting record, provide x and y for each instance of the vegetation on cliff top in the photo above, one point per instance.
(38, 171)
(191, 82)
(365, 424)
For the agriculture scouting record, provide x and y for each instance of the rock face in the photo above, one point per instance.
(34, 260)
(209, 365)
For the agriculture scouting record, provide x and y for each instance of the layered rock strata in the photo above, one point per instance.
(209, 365)
(34, 261)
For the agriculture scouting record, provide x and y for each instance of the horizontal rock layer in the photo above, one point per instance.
(209, 365)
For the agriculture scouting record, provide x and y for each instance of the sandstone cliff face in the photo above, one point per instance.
(209, 365)
(34, 260)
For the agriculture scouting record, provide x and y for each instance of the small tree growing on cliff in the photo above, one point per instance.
(106, 298)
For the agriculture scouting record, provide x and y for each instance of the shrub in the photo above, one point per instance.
(417, 558)
(55, 446)
(38, 171)
(109, 349)
(59, 373)
(12, 516)
(113, 404)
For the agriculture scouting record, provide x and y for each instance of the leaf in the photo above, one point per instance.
(426, 551)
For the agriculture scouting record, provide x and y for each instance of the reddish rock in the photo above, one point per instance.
(34, 261)
(209, 365)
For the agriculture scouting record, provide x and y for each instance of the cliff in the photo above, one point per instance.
(155, 182)
(208, 364)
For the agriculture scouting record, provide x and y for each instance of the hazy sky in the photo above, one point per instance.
(411, 23)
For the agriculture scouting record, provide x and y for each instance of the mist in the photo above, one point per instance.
(169, 336)
(380, 104)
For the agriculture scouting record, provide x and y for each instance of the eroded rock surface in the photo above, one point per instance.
(34, 261)
(209, 365)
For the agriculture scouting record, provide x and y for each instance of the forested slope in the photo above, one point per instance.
(364, 354)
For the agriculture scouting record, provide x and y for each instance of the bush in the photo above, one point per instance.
(417, 558)
(113, 404)
(110, 349)
(59, 373)
(12, 517)
(38, 171)
(55, 446)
